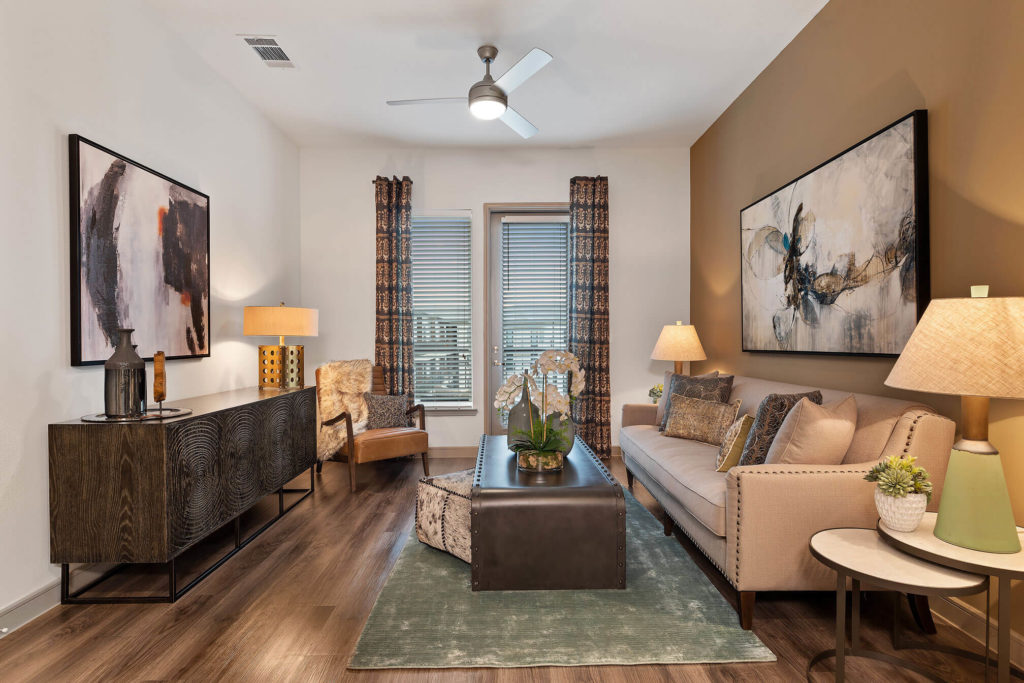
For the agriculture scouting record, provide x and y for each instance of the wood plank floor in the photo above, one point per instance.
(292, 604)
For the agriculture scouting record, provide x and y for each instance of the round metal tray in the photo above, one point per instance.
(151, 414)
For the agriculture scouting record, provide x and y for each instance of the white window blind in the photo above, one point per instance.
(534, 288)
(442, 310)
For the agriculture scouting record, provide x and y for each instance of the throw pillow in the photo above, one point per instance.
(717, 388)
(732, 444)
(815, 435)
(666, 386)
(767, 421)
(699, 420)
(386, 411)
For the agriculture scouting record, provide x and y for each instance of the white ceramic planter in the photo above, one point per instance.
(901, 514)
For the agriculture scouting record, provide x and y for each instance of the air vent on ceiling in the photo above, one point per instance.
(269, 51)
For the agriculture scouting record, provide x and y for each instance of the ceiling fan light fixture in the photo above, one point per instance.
(487, 108)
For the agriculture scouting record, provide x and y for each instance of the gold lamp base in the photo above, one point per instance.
(281, 366)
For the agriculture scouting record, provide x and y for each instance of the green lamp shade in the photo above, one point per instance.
(975, 509)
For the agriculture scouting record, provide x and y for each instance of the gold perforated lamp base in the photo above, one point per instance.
(281, 367)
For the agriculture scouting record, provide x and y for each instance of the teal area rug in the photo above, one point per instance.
(427, 617)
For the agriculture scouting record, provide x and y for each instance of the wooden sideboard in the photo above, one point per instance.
(144, 492)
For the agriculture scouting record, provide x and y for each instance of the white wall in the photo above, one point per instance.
(108, 70)
(649, 246)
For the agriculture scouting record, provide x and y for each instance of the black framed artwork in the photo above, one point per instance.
(140, 258)
(836, 261)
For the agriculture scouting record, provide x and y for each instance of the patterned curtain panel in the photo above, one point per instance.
(588, 308)
(393, 346)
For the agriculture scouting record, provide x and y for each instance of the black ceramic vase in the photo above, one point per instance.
(124, 380)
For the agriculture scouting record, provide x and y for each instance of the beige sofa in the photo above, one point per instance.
(754, 522)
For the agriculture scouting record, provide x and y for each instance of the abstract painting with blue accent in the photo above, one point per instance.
(831, 263)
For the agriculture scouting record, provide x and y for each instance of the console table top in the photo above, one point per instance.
(203, 405)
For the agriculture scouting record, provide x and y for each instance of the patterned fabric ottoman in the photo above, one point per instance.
(442, 512)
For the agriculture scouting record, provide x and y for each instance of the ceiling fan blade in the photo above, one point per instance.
(428, 100)
(535, 60)
(516, 122)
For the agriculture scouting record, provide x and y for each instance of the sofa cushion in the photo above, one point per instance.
(767, 421)
(815, 435)
(666, 385)
(685, 469)
(715, 388)
(704, 421)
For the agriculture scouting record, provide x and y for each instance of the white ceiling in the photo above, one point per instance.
(640, 72)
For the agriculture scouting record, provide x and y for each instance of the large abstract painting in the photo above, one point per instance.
(140, 258)
(837, 260)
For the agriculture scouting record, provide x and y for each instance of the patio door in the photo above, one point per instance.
(528, 298)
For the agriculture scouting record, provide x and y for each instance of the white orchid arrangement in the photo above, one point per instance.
(549, 398)
(545, 434)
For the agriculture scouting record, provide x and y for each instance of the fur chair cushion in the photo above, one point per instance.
(340, 388)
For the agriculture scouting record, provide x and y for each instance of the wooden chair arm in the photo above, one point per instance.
(347, 448)
(335, 420)
(418, 408)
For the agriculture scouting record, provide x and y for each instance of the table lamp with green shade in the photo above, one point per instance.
(972, 348)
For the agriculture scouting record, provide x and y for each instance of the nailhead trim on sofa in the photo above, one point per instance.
(739, 497)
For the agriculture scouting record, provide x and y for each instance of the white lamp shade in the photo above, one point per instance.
(280, 321)
(678, 342)
(965, 347)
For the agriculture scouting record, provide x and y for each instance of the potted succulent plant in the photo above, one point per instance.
(540, 428)
(902, 492)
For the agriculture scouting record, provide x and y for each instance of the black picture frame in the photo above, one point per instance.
(78, 358)
(919, 117)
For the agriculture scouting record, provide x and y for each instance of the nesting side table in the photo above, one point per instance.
(862, 555)
(922, 543)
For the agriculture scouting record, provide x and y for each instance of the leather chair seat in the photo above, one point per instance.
(389, 442)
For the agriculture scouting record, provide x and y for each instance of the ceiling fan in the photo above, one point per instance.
(488, 98)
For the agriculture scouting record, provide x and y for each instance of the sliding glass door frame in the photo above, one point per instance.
(492, 284)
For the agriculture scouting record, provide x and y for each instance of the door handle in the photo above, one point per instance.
(497, 363)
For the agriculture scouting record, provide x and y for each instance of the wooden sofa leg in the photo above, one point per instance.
(629, 480)
(669, 524)
(352, 474)
(746, 604)
(426, 467)
(319, 466)
(922, 613)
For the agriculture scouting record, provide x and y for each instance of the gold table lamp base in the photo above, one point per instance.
(281, 366)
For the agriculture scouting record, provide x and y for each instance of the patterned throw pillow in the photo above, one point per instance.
(666, 387)
(386, 411)
(716, 389)
(767, 421)
(732, 444)
(699, 420)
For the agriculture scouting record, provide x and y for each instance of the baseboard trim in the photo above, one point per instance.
(971, 621)
(453, 451)
(28, 608)
(36, 604)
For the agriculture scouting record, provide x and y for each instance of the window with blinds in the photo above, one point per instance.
(442, 310)
(534, 288)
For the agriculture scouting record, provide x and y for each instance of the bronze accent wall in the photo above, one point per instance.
(856, 67)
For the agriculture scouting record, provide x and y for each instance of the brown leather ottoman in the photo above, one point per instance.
(565, 530)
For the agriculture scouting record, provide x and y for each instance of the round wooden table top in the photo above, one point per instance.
(923, 543)
(864, 555)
